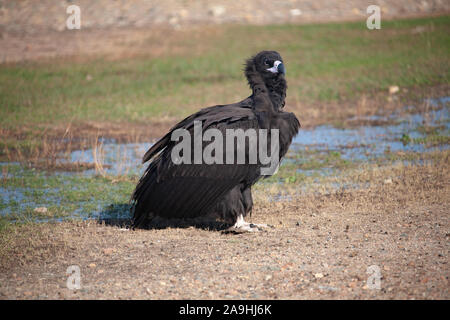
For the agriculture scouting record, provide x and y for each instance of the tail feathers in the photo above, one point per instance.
(140, 219)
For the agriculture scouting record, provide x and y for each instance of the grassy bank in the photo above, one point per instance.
(325, 62)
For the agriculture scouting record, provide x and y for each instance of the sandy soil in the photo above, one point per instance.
(320, 247)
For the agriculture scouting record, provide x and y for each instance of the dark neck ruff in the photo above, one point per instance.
(275, 86)
(277, 91)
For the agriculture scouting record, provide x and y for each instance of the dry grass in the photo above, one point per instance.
(320, 247)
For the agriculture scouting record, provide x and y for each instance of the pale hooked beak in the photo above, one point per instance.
(278, 67)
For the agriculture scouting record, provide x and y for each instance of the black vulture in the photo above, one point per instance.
(170, 188)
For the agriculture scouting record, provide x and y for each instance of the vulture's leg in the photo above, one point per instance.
(236, 205)
(247, 204)
(242, 226)
(247, 200)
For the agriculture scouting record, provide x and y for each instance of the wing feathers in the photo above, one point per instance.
(191, 190)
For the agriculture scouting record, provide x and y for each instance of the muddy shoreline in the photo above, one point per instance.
(76, 136)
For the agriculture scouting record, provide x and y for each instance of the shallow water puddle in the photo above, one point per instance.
(115, 159)
(361, 143)
(369, 142)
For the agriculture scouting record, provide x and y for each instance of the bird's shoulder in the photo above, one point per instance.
(222, 113)
(288, 119)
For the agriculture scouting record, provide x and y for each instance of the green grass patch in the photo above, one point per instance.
(62, 195)
(432, 136)
(432, 140)
(325, 62)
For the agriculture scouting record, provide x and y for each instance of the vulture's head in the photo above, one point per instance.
(268, 64)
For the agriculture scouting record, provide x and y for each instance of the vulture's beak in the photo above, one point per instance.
(281, 68)
(278, 67)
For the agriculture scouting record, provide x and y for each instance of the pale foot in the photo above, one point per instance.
(241, 226)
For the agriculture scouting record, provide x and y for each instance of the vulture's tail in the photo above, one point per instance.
(139, 207)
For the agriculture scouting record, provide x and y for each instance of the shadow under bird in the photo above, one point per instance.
(221, 190)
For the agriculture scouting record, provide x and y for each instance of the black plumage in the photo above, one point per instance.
(171, 190)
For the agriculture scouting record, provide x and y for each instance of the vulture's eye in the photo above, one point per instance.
(266, 62)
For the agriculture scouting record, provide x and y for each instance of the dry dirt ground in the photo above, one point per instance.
(30, 30)
(320, 247)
